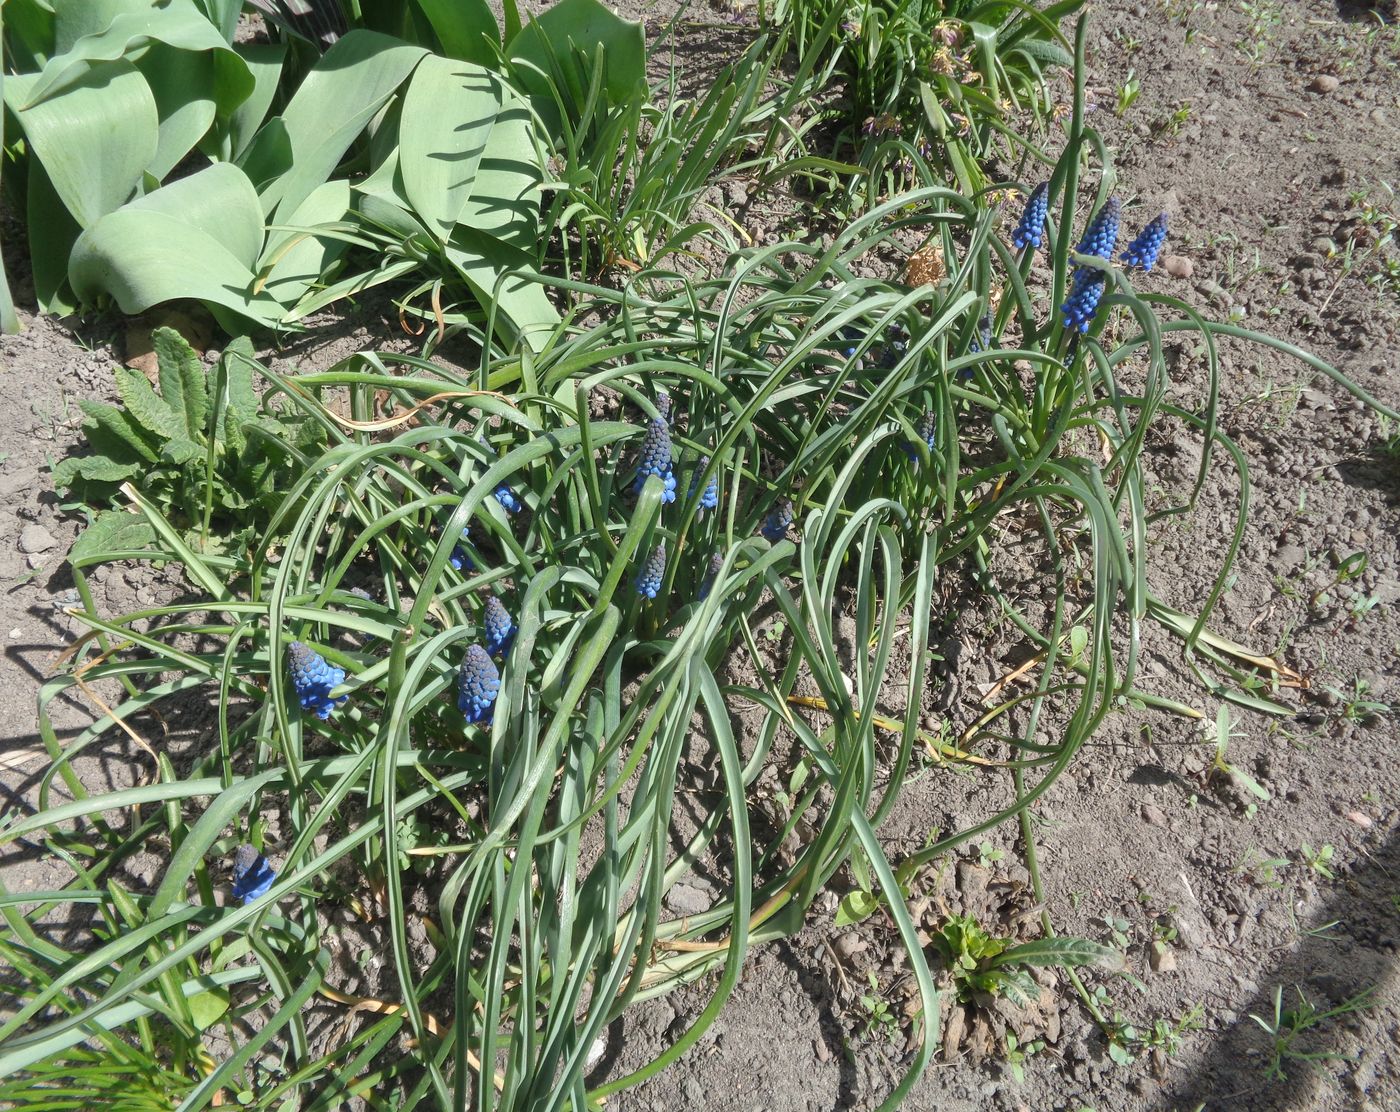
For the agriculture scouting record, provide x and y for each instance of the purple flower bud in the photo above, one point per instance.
(478, 684)
(313, 679)
(1143, 251)
(1030, 230)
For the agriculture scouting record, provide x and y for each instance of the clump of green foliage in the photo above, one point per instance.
(947, 79)
(982, 964)
(199, 445)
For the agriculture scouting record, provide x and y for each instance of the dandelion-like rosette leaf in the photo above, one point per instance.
(478, 684)
(252, 875)
(649, 581)
(313, 678)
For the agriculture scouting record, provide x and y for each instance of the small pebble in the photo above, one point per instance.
(1178, 266)
(35, 538)
(1162, 959)
(1361, 820)
(823, 1054)
(1324, 83)
(1153, 815)
(15, 633)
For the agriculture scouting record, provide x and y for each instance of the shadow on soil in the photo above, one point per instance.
(1330, 966)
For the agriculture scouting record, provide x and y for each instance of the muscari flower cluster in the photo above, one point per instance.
(313, 679)
(1143, 251)
(895, 345)
(711, 574)
(656, 458)
(478, 684)
(252, 875)
(709, 497)
(500, 630)
(1030, 230)
(461, 558)
(775, 525)
(927, 429)
(506, 497)
(1087, 283)
(649, 581)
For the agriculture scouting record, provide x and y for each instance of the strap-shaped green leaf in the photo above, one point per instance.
(466, 28)
(198, 237)
(95, 140)
(449, 111)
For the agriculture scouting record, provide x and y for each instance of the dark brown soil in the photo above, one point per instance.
(1268, 181)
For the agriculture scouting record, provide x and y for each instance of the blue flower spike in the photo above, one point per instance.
(709, 497)
(649, 581)
(663, 404)
(1030, 230)
(478, 684)
(506, 497)
(656, 459)
(775, 525)
(252, 875)
(1144, 250)
(500, 630)
(1101, 236)
(711, 574)
(1087, 283)
(461, 558)
(313, 679)
(927, 428)
(1086, 291)
(896, 344)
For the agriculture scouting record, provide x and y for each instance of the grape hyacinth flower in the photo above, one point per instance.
(478, 684)
(712, 573)
(656, 459)
(1087, 283)
(313, 679)
(663, 404)
(649, 581)
(983, 340)
(709, 497)
(1071, 349)
(1144, 250)
(775, 525)
(506, 497)
(1030, 230)
(460, 558)
(252, 875)
(927, 428)
(500, 630)
(1086, 291)
(1102, 233)
(896, 344)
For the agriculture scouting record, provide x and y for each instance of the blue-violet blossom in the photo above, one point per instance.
(478, 684)
(649, 581)
(1030, 230)
(500, 630)
(656, 459)
(252, 875)
(775, 525)
(313, 679)
(1143, 251)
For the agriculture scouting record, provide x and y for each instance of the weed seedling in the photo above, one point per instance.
(1287, 1026)
(1319, 860)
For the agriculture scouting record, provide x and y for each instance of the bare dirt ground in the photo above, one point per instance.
(1268, 131)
